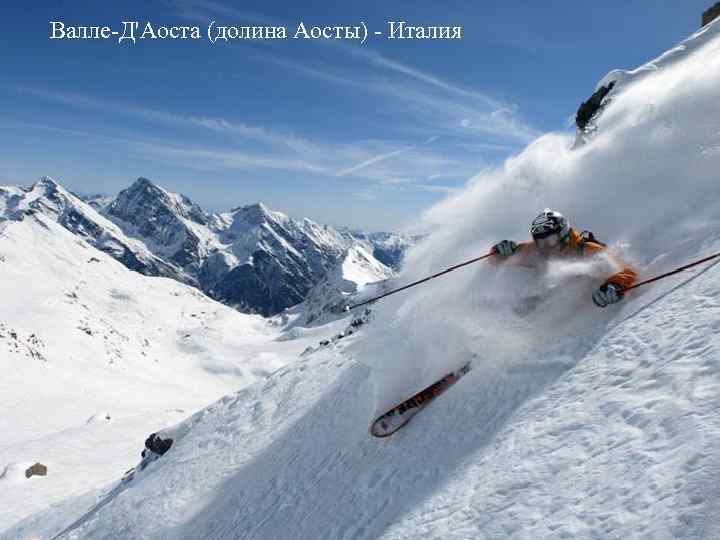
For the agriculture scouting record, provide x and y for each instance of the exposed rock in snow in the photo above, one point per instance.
(38, 469)
(590, 108)
(617, 80)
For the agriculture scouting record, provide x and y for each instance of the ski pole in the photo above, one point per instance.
(405, 287)
(673, 272)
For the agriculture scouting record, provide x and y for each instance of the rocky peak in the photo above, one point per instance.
(142, 187)
(47, 182)
(48, 189)
(162, 220)
(45, 196)
(144, 201)
(252, 214)
(143, 183)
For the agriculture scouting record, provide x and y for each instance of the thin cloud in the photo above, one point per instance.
(365, 195)
(436, 104)
(491, 116)
(437, 189)
(438, 176)
(324, 74)
(444, 113)
(374, 164)
(369, 162)
(377, 161)
(62, 131)
(230, 159)
(219, 125)
(204, 159)
(378, 59)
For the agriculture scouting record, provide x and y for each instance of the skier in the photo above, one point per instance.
(553, 237)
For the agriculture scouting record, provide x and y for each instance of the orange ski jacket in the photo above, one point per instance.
(529, 256)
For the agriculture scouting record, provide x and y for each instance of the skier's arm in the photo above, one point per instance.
(520, 254)
(625, 277)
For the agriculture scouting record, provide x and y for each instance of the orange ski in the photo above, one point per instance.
(388, 423)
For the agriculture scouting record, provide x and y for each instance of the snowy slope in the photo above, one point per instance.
(388, 248)
(358, 276)
(95, 357)
(619, 443)
(575, 422)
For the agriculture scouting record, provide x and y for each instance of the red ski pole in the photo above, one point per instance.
(673, 272)
(414, 283)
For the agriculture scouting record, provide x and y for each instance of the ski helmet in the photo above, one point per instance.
(549, 223)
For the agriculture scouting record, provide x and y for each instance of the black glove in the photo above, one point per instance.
(609, 293)
(505, 249)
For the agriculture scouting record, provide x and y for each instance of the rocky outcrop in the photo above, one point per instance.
(590, 108)
(711, 14)
(155, 443)
(36, 470)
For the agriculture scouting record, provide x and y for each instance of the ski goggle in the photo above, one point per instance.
(548, 242)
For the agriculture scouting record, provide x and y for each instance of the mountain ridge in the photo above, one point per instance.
(252, 258)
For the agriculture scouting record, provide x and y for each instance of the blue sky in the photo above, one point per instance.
(347, 134)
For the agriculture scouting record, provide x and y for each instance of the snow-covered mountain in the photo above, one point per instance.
(388, 248)
(95, 357)
(47, 197)
(251, 258)
(575, 422)
(171, 225)
(271, 261)
(358, 276)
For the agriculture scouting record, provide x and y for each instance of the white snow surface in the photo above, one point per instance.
(359, 267)
(95, 357)
(574, 422)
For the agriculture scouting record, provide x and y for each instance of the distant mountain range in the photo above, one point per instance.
(251, 258)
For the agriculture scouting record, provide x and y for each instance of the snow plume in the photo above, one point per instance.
(647, 179)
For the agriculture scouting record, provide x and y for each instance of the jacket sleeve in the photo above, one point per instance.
(524, 257)
(625, 278)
